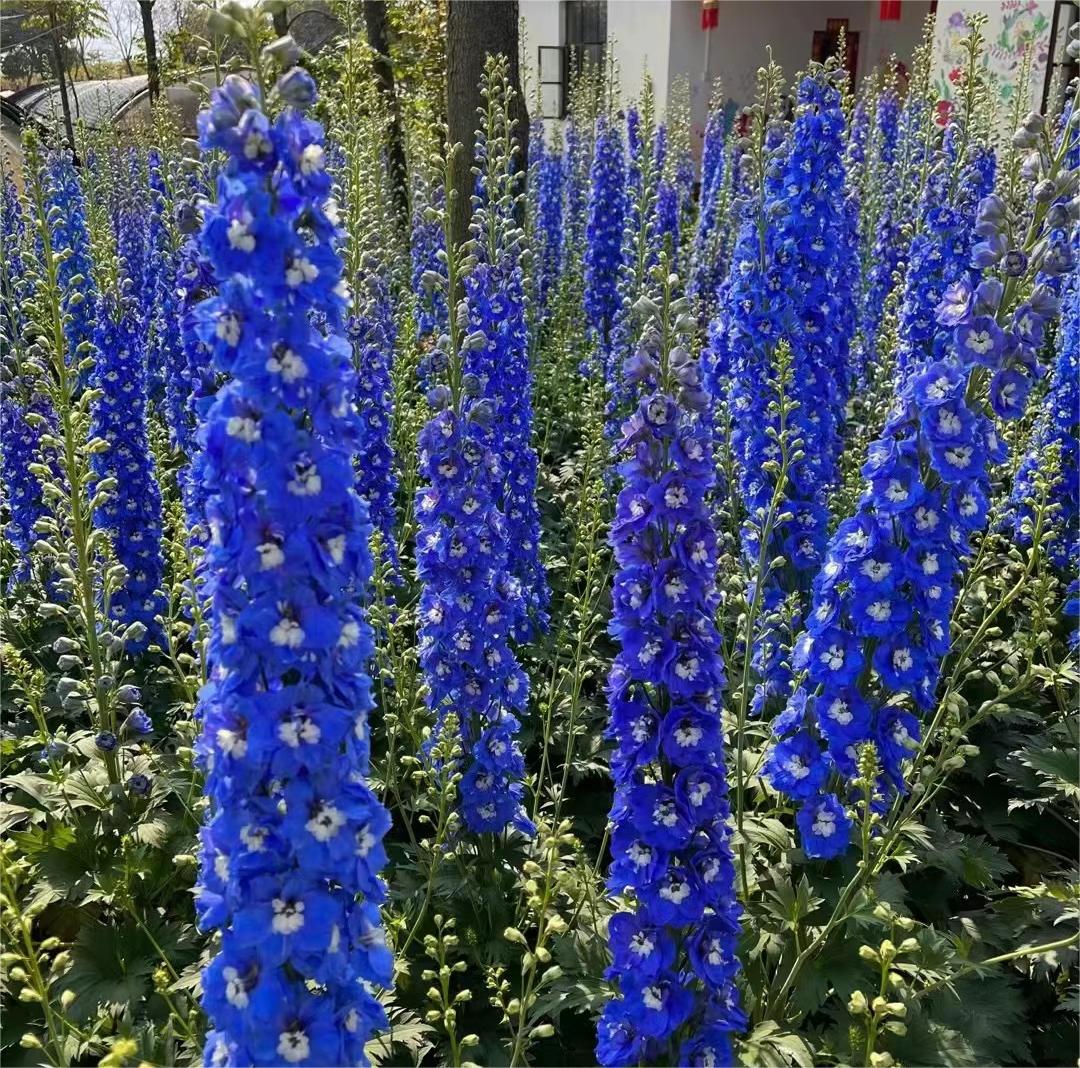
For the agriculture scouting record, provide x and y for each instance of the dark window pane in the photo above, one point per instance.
(586, 22)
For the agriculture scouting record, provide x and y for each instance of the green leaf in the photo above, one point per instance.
(983, 864)
(406, 1030)
(112, 969)
(1060, 766)
(762, 830)
(767, 1046)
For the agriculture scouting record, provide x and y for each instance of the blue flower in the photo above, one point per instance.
(708, 262)
(795, 767)
(132, 515)
(789, 280)
(546, 182)
(471, 603)
(607, 205)
(1057, 424)
(373, 333)
(639, 948)
(659, 1006)
(291, 853)
(427, 242)
(825, 827)
(674, 948)
(69, 233)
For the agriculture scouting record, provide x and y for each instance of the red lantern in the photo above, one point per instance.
(889, 10)
(710, 14)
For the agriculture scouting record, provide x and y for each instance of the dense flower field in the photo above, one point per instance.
(643, 633)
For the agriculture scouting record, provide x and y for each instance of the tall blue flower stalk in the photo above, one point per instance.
(546, 191)
(165, 347)
(641, 248)
(603, 239)
(881, 242)
(635, 148)
(66, 205)
(674, 935)
(192, 383)
(783, 268)
(132, 514)
(427, 246)
(21, 436)
(577, 160)
(373, 332)
(134, 206)
(495, 298)
(707, 263)
(1058, 425)
(470, 602)
(291, 853)
(940, 250)
(883, 600)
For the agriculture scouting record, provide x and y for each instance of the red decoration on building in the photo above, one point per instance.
(710, 14)
(889, 10)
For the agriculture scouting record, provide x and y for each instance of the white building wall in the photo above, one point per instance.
(664, 38)
(641, 30)
(737, 47)
(542, 24)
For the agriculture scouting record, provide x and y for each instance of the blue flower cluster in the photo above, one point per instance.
(886, 246)
(782, 286)
(496, 305)
(940, 250)
(577, 160)
(426, 245)
(373, 332)
(193, 380)
(165, 349)
(132, 514)
(546, 188)
(883, 599)
(22, 491)
(132, 207)
(1058, 424)
(67, 219)
(859, 136)
(707, 262)
(635, 150)
(673, 941)
(816, 228)
(473, 451)
(291, 854)
(604, 235)
(469, 604)
(21, 439)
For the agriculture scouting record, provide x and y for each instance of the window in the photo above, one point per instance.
(551, 64)
(585, 23)
(585, 34)
(1059, 66)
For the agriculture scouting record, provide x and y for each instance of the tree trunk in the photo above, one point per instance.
(61, 77)
(281, 21)
(473, 29)
(375, 25)
(153, 77)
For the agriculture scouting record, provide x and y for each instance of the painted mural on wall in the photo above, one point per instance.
(1012, 27)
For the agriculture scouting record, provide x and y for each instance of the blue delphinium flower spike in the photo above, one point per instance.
(373, 332)
(674, 961)
(603, 240)
(290, 856)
